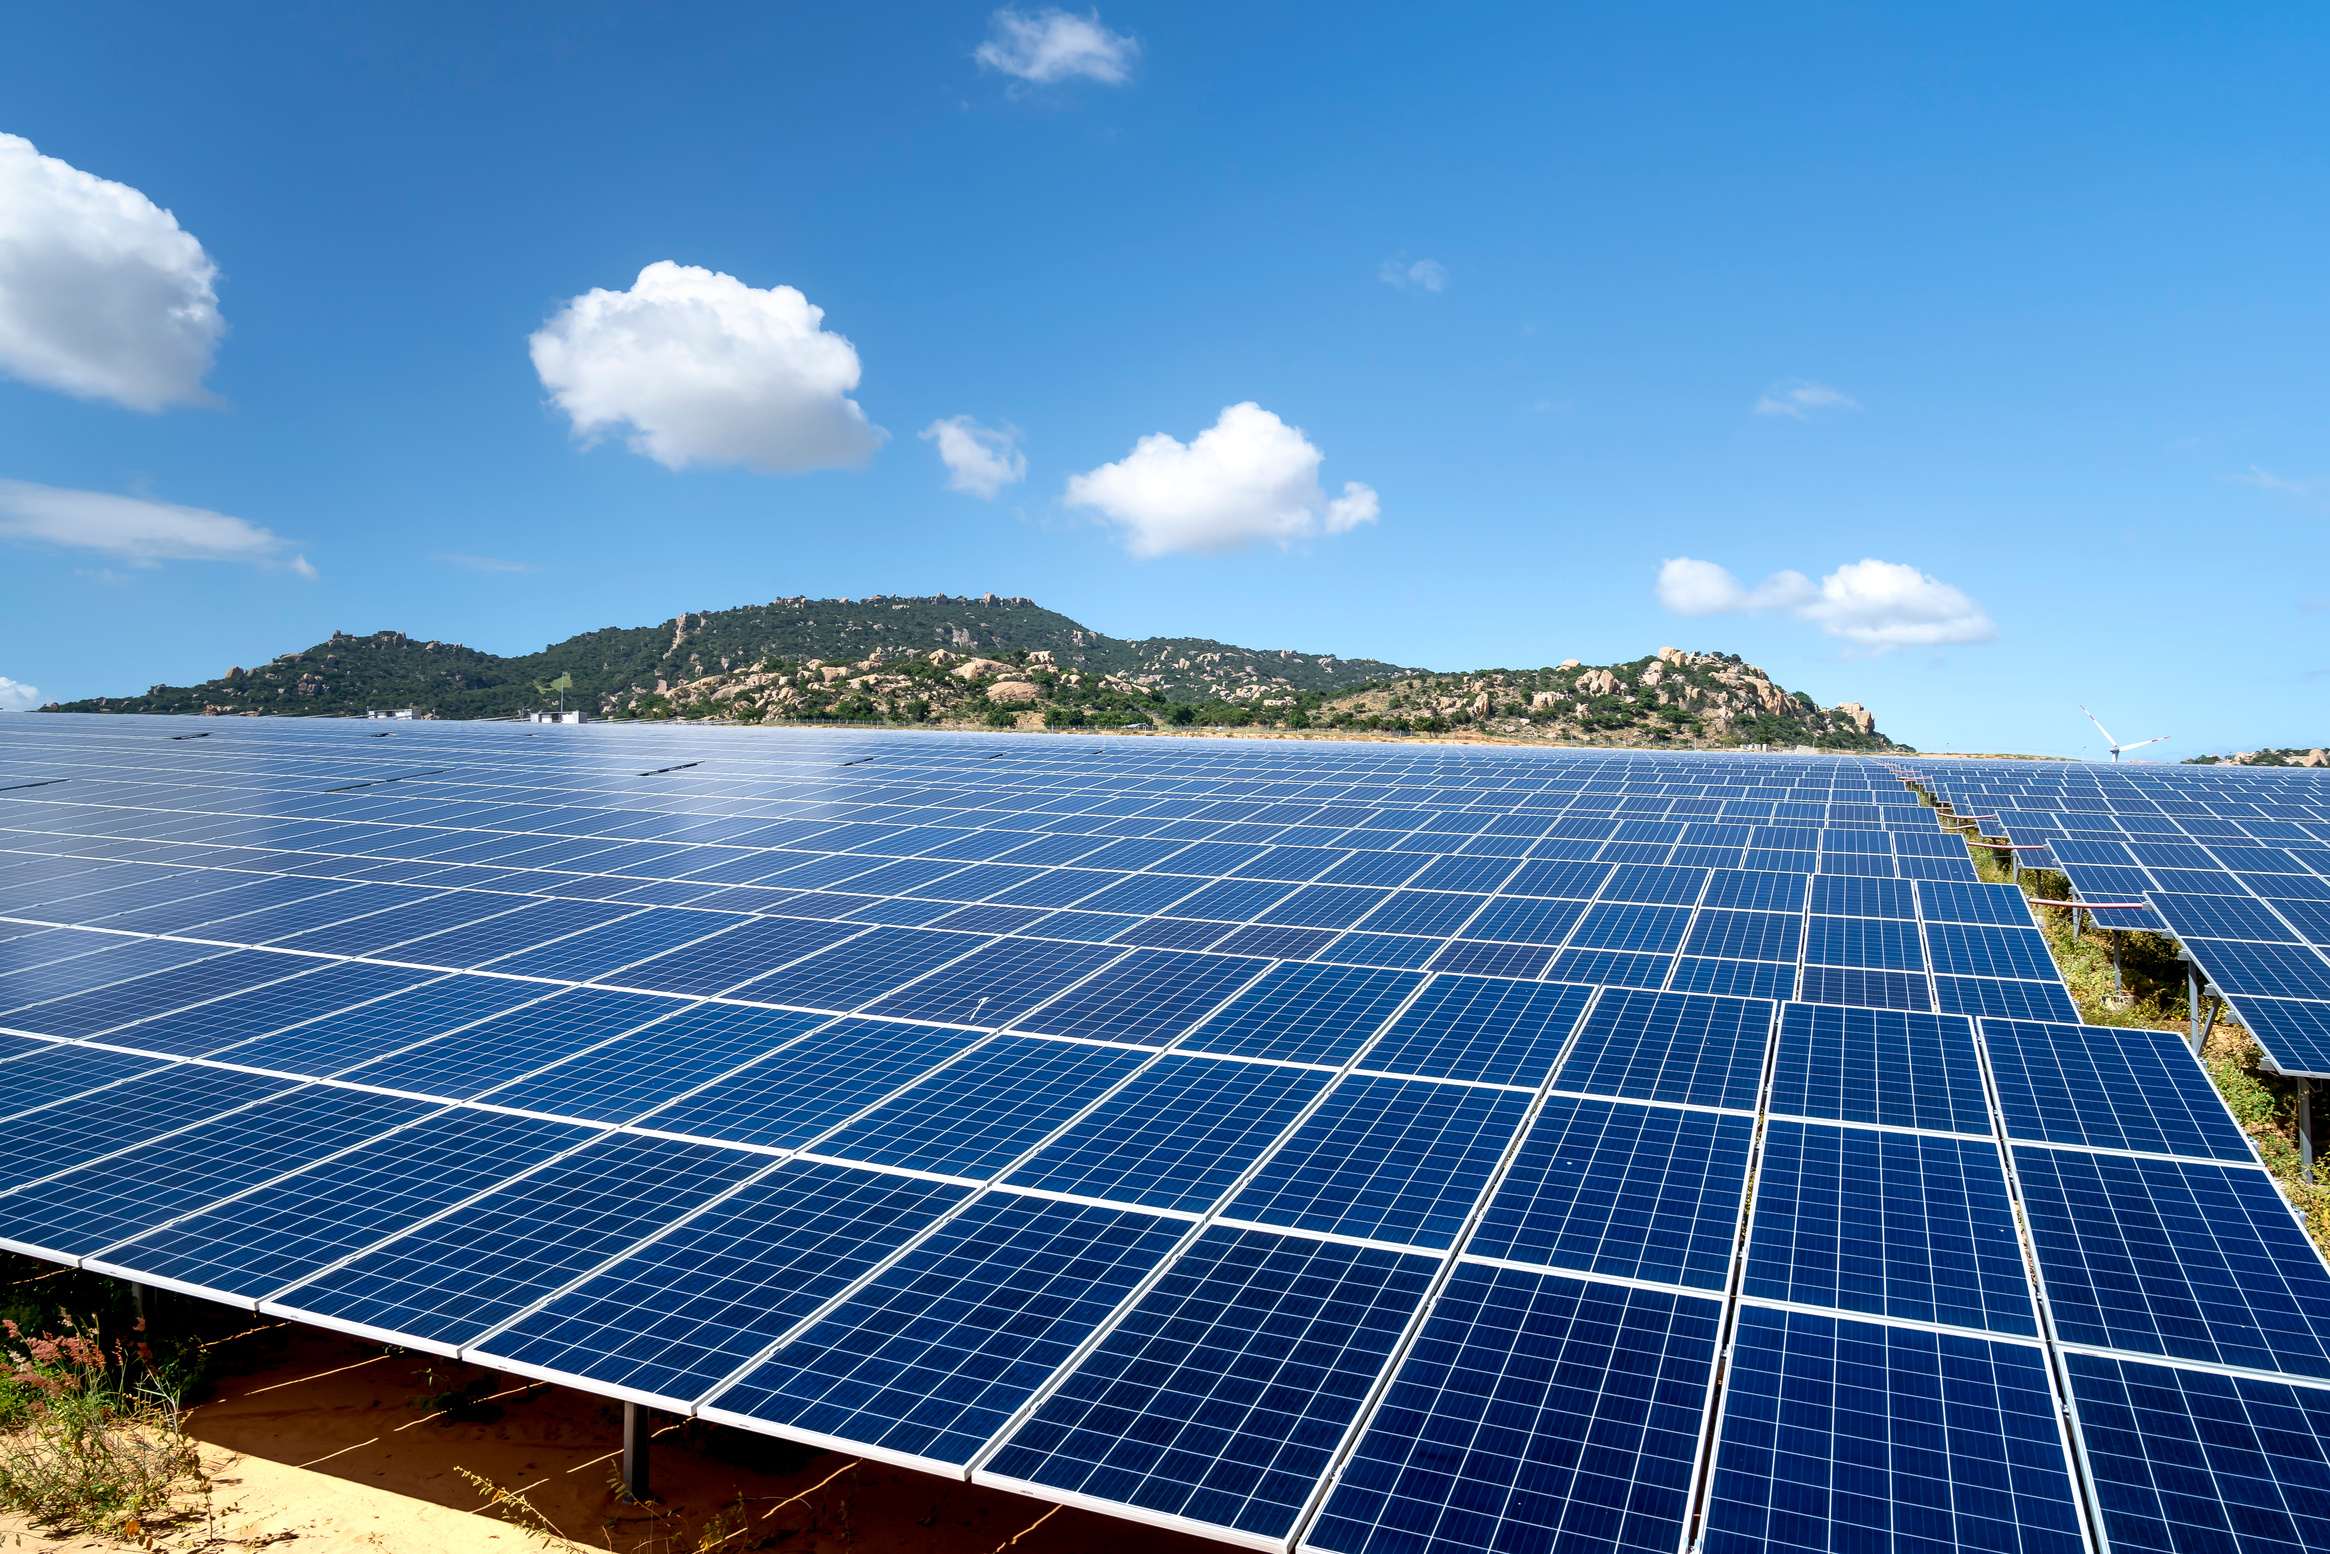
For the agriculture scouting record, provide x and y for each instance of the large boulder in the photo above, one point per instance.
(1011, 692)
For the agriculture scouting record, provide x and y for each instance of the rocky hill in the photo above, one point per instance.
(642, 668)
(2263, 758)
(1668, 698)
(1008, 663)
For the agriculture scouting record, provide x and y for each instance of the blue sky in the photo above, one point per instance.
(2027, 305)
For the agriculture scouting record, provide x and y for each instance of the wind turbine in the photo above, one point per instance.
(2117, 747)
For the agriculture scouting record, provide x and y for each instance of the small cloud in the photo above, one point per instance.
(1424, 275)
(486, 564)
(1800, 398)
(704, 369)
(1249, 477)
(2265, 481)
(102, 294)
(2313, 604)
(979, 459)
(1689, 587)
(1052, 45)
(1875, 605)
(137, 530)
(16, 696)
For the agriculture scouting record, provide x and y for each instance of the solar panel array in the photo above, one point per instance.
(2233, 861)
(1345, 1147)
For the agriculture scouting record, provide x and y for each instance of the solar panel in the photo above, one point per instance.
(1302, 1144)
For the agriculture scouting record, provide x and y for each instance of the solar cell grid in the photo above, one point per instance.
(251, 1246)
(1533, 1412)
(935, 1355)
(2187, 1260)
(1378, 863)
(1844, 1435)
(1304, 1014)
(1386, 1159)
(1891, 1224)
(1178, 1136)
(2110, 1088)
(1674, 1047)
(1220, 1398)
(456, 1277)
(1639, 1192)
(1879, 1066)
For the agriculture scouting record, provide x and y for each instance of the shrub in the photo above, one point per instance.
(94, 1439)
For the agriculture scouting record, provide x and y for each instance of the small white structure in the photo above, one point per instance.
(555, 717)
(390, 712)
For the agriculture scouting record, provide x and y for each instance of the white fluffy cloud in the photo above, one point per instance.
(979, 459)
(1053, 45)
(704, 369)
(1800, 397)
(141, 532)
(1246, 478)
(1690, 587)
(16, 696)
(1875, 605)
(1424, 275)
(101, 294)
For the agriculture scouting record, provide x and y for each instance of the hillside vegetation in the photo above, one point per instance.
(1006, 662)
(646, 669)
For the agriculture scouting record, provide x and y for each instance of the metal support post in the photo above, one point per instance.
(636, 1428)
(2192, 1000)
(2216, 1007)
(2115, 962)
(2306, 1129)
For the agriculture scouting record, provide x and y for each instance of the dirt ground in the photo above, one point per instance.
(324, 1451)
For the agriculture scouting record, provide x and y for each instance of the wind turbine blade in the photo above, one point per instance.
(2098, 722)
(2141, 743)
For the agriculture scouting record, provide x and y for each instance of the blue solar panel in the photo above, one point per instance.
(482, 1057)
(84, 1211)
(678, 1053)
(252, 1246)
(1386, 1160)
(2192, 1261)
(63, 1134)
(1178, 1136)
(454, 1278)
(681, 1314)
(1891, 1224)
(1534, 1412)
(976, 1116)
(1671, 1047)
(40, 1072)
(1842, 1435)
(1639, 1192)
(2110, 1087)
(110, 961)
(2186, 1459)
(1437, 920)
(1892, 1067)
(1480, 1028)
(1304, 1014)
(935, 1355)
(1220, 1398)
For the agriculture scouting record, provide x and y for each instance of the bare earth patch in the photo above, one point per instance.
(324, 1453)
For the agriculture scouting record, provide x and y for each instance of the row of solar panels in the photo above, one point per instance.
(1192, 1277)
(1841, 939)
(2253, 916)
(1065, 1327)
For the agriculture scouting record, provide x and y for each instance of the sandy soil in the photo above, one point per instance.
(323, 1452)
